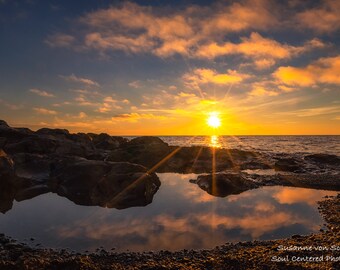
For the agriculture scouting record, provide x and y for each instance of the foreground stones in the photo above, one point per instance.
(243, 255)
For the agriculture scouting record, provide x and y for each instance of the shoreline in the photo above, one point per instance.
(320, 249)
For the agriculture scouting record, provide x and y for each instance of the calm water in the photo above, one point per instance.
(181, 216)
(270, 144)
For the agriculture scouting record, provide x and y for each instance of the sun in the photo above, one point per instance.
(214, 121)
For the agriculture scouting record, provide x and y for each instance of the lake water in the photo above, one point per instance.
(182, 216)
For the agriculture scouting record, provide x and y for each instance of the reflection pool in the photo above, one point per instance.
(181, 216)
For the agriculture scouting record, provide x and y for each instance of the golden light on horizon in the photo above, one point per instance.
(214, 120)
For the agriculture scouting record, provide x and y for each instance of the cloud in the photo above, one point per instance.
(264, 51)
(324, 70)
(324, 18)
(262, 91)
(41, 93)
(135, 84)
(44, 111)
(74, 78)
(314, 111)
(10, 105)
(165, 31)
(60, 40)
(204, 75)
(135, 117)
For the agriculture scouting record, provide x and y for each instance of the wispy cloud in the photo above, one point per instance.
(41, 93)
(134, 117)
(60, 40)
(44, 111)
(74, 78)
(204, 75)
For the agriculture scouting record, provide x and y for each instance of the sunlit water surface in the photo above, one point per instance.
(269, 144)
(182, 216)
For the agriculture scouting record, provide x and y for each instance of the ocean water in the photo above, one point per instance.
(269, 144)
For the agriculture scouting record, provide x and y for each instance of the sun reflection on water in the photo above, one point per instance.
(215, 141)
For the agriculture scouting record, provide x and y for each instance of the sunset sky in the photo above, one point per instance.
(162, 67)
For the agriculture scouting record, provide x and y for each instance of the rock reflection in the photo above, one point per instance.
(181, 217)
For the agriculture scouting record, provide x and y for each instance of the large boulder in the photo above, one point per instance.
(287, 165)
(33, 166)
(13, 134)
(147, 151)
(224, 184)
(324, 159)
(108, 184)
(107, 142)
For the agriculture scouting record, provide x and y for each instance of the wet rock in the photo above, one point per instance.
(109, 184)
(224, 184)
(287, 165)
(254, 165)
(324, 159)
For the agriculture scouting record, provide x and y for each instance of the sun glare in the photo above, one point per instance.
(214, 121)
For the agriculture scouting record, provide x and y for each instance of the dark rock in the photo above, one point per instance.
(7, 190)
(224, 184)
(3, 123)
(324, 159)
(286, 164)
(107, 142)
(3, 142)
(13, 134)
(254, 165)
(109, 184)
(54, 132)
(35, 166)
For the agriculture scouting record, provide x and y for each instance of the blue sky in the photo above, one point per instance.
(145, 67)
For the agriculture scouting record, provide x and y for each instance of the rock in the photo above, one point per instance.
(3, 142)
(254, 165)
(109, 184)
(224, 184)
(34, 166)
(286, 164)
(7, 176)
(33, 144)
(13, 134)
(3, 123)
(64, 133)
(6, 166)
(107, 142)
(324, 159)
(147, 151)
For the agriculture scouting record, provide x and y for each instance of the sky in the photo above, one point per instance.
(264, 67)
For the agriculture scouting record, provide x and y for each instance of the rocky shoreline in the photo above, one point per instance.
(114, 172)
(278, 254)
